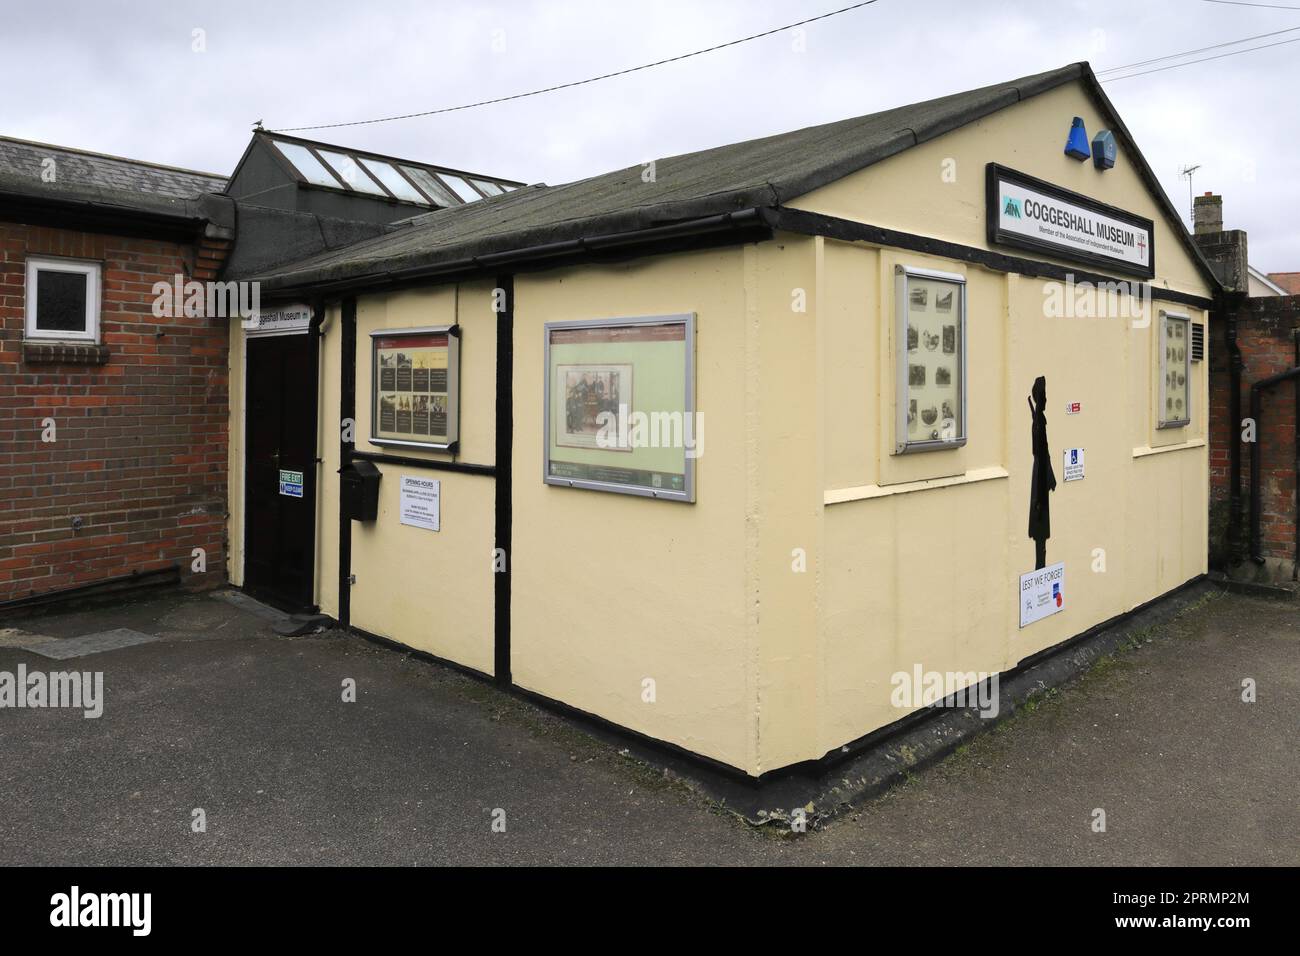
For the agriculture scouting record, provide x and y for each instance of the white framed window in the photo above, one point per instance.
(930, 378)
(1175, 370)
(63, 299)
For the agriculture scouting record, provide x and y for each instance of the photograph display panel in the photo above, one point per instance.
(414, 394)
(619, 406)
(931, 387)
(1175, 391)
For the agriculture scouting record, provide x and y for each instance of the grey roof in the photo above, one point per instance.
(84, 177)
(754, 174)
(268, 236)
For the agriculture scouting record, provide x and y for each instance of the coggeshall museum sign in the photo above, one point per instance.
(1033, 214)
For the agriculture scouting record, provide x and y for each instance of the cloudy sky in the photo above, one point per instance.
(126, 78)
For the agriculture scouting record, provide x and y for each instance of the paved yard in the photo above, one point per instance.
(222, 714)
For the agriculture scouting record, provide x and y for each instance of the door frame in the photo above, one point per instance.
(313, 605)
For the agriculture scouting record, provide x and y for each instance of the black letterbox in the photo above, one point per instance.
(359, 490)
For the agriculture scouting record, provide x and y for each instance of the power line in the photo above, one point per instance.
(1239, 3)
(1204, 59)
(1217, 46)
(593, 79)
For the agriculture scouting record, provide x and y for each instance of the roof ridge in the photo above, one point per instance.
(703, 185)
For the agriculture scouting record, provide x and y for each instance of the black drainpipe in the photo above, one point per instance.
(313, 388)
(347, 411)
(1229, 304)
(1256, 404)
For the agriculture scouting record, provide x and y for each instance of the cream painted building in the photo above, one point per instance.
(849, 320)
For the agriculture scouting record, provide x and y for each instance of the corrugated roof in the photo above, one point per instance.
(758, 173)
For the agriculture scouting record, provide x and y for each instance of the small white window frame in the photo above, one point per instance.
(92, 272)
(1165, 317)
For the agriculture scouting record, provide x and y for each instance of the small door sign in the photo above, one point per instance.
(1073, 464)
(291, 483)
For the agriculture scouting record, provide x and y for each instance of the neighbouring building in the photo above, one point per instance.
(1262, 285)
(1254, 441)
(113, 417)
(1288, 282)
(112, 459)
(715, 448)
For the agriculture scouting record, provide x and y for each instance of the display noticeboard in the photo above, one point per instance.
(620, 406)
(415, 393)
(930, 394)
(1176, 370)
(1032, 214)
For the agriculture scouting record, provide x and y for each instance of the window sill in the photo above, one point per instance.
(1146, 450)
(37, 352)
(864, 492)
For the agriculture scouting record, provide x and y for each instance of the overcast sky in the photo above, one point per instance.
(125, 78)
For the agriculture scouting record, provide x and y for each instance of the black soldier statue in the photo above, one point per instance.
(1044, 479)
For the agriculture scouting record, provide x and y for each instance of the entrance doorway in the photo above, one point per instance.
(280, 470)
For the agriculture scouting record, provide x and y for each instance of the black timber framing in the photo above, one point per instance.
(504, 302)
(848, 230)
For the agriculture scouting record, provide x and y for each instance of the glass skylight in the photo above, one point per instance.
(352, 174)
(307, 164)
(424, 179)
(462, 188)
(391, 178)
(347, 170)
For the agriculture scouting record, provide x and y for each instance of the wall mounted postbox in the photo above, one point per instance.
(359, 490)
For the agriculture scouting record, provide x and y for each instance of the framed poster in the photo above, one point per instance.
(415, 387)
(619, 409)
(1175, 344)
(930, 381)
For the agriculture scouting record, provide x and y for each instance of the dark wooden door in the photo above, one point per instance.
(280, 470)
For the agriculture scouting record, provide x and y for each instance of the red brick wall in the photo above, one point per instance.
(140, 454)
(1265, 335)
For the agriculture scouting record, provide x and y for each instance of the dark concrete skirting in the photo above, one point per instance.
(871, 765)
(1287, 591)
(866, 767)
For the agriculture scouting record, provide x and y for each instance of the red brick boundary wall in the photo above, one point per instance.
(141, 419)
(1266, 329)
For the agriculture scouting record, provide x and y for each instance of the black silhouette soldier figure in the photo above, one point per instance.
(1044, 479)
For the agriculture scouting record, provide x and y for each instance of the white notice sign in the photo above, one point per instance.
(421, 502)
(1073, 464)
(1042, 593)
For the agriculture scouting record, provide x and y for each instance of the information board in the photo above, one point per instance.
(415, 393)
